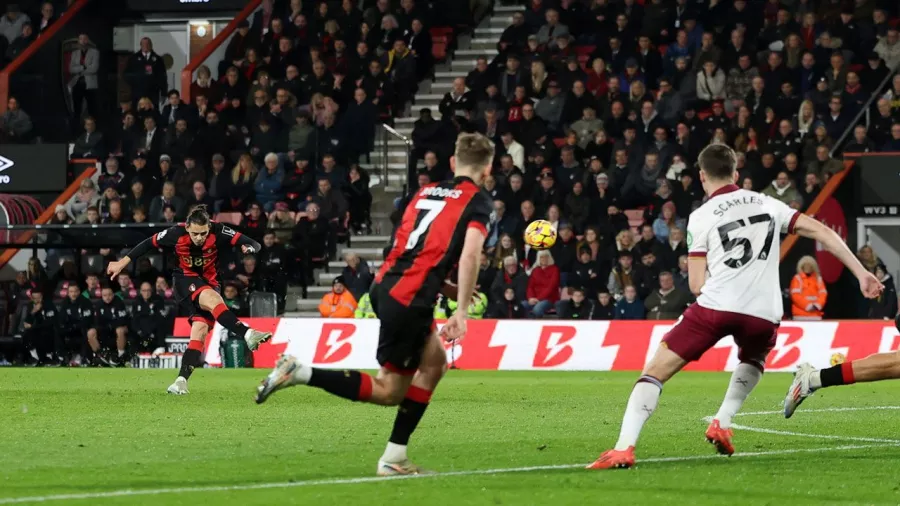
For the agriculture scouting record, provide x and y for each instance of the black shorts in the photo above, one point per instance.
(107, 336)
(187, 289)
(403, 334)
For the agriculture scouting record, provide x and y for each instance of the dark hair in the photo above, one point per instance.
(718, 162)
(198, 216)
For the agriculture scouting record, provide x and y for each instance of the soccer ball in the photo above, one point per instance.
(540, 234)
(837, 359)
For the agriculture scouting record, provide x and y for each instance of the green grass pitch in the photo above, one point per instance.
(113, 437)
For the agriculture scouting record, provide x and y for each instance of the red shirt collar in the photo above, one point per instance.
(725, 189)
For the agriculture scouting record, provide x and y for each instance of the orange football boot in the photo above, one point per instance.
(721, 438)
(614, 459)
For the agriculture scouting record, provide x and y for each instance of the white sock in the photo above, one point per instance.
(743, 381)
(394, 453)
(641, 404)
(121, 352)
(815, 380)
(302, 374)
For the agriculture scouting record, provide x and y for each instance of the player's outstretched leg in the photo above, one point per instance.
(641, 405)
(744, 379)
(432, 368)
(192, 358)
(211, 301)
(808, 379)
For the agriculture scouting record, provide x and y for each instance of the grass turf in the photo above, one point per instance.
(83, 431)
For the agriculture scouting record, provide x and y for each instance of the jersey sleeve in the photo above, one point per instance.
(785, 216)
(479, 216)
(697, 236)
(231, 237)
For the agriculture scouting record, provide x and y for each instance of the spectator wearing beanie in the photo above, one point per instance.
(339, 303)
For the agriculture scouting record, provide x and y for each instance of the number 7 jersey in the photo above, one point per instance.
(738, 231)
(429, 239)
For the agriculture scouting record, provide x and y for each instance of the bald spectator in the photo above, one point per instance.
(552, 29)
(167, 199)
(459, 101)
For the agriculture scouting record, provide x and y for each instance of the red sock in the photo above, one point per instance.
(847, 373)
(195, 345)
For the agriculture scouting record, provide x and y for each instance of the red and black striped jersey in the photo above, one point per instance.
(430, 238)
(197, 261)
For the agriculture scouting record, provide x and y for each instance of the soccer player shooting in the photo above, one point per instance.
(196, 246)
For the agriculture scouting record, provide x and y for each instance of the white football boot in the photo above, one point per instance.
(179, 387)
(799, 390)
(255, 338)
(399, 468)
(282, 376)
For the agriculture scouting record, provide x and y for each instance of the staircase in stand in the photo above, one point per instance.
(369, 248)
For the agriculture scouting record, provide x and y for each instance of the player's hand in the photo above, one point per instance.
(455, 328)
(114, 268)
(870, 286)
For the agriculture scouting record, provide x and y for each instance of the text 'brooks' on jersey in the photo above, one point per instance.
(430, 237)
(738, 231)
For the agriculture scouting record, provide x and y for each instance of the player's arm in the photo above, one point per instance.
(698, 245)
(804, 226)
(166, 237)
(235, 238)
(469, 261)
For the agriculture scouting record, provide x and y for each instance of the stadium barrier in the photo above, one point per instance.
(519, 345)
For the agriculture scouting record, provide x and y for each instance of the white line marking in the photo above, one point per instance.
(477, 472)
(376, 479)
(822, 410)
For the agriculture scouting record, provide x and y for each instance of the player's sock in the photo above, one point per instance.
(191, 358)
(353, 385)
(229, 320)
(408, 416)
(743, 381)
(641, 404)
(121, 352)
(841, 374)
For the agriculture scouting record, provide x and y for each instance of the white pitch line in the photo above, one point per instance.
(477, 472)
(821, 410)
(376, 479)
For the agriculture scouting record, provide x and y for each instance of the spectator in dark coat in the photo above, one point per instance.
(507, 307)
(268, 183)
(579, 307)
(630, 307)
(512, 276)
(145, 73)
(358, 125)
(357, 277)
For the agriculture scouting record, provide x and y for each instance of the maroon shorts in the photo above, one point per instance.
(700, 328)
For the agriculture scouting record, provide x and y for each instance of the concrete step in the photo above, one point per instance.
(475, 53)
(325, 278)
(464, 64)
(305, 305)
(429, 96)
(507, 9)
(302, 314)
(485, 43)
(501, 21)
(366, 254)
(338, 266)
(489, 31)
(450, 75)
(370, 240)
(375, 168)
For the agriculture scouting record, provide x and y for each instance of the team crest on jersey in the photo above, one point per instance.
(690, 239)
(193, 287)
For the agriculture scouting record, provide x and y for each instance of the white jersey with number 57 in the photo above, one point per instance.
(739, 233)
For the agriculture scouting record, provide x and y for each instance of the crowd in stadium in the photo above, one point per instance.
(597, 109)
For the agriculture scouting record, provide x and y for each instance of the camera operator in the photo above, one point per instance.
(40, 337)
(147, 320)
(76, 325)
(272, 263)
(112, 324)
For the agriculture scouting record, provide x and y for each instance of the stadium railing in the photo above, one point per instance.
(388, 134)
(834, 183)
(187, 75)
(20, 234)
(35, 46)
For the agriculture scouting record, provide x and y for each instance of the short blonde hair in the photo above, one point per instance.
(473, 152)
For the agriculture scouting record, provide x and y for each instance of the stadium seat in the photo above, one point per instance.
(439, 49)
(229, 218)
(584, 50)
(559, 141)
(156, 261)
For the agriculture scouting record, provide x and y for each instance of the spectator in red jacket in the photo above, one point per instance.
(543, 286)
